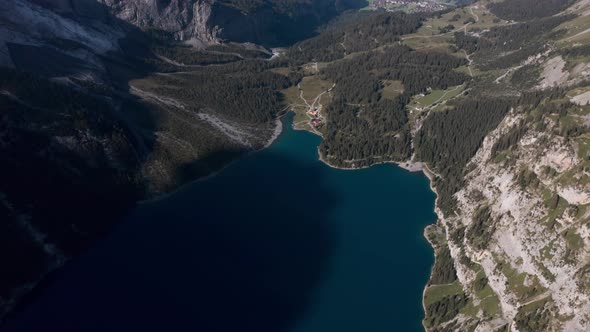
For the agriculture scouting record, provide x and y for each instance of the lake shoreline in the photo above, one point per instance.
(412, 167)
(277, 131)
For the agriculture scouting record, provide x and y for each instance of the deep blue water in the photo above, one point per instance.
(276, 242)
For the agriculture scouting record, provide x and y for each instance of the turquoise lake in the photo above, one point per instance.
(277, 242)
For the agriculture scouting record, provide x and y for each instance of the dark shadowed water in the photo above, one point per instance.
(276, 242)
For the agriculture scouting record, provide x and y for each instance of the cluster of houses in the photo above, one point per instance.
(419, 5)
(316, 119)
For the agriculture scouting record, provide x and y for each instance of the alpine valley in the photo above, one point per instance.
(107, 103)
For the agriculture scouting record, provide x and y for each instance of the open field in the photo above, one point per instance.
(435, 97)
(435, 293)
(392, 89)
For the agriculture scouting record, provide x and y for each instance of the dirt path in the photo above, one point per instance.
(578, 34)
(314, 106)
(473, 14)
(175, 63)
(159, 99)
(444, 95)
(470, 62)
(508, 72)
(464, 28)
(468, 56)
(537, 298)
(301, 95)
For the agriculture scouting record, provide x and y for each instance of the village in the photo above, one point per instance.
(314, 109)
(407, 5)
(316, 119)
(308, 100)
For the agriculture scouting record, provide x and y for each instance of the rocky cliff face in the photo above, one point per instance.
(34, 25)
(186, 19)
(514, 253)
(520, 237)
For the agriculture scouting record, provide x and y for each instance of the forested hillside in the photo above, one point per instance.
(363, 126)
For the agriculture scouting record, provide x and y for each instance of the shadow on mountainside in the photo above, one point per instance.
(239, 252)
(70, 157)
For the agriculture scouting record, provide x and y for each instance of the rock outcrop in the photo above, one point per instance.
(186, 19)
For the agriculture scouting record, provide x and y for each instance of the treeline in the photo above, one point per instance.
(576, 51)
(526, 77)
(445, 309)
(245, 91)
(242, 51)
(360, 34)
(514, 36)
(521, 10)
(449, 139)
(443, 271)
(163, 44)
(510, 139)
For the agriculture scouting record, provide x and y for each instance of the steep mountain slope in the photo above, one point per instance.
(512, 239)
(84, 135)
(66, 154)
